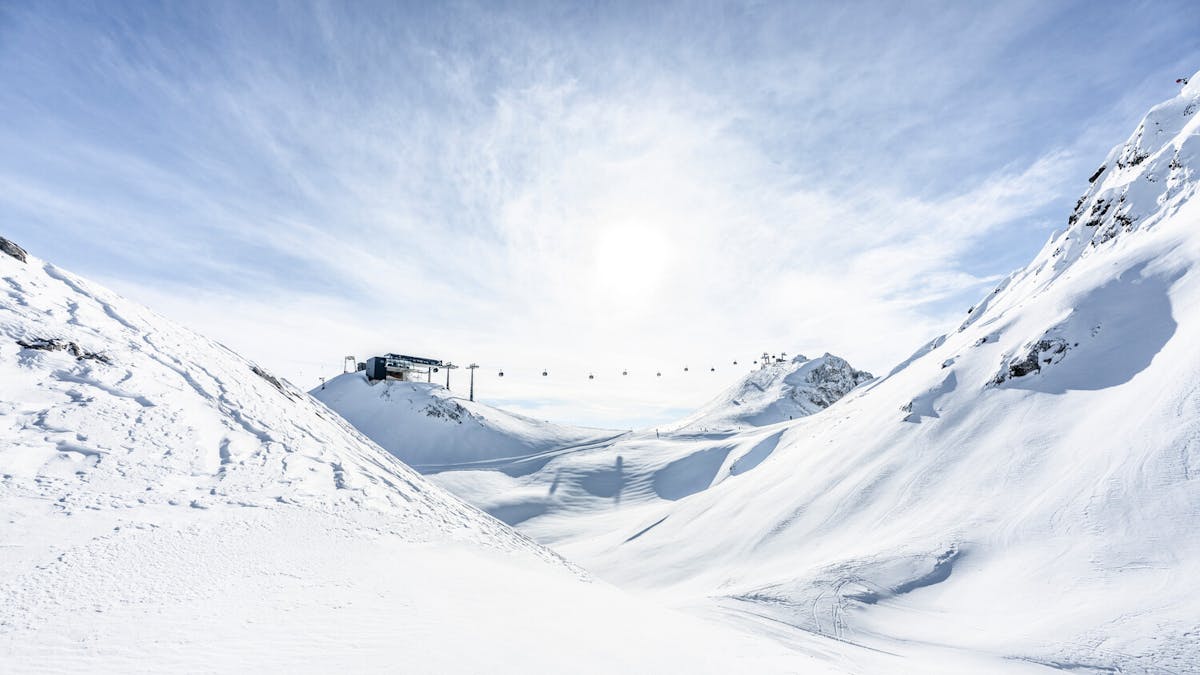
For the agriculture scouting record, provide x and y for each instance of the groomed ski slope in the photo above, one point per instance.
(1024, 490)
(168, 506)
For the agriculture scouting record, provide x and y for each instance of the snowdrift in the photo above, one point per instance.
(168, 505)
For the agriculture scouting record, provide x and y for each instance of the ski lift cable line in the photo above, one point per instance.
(577, 372)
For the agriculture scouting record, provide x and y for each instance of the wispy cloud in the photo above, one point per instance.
(562, 187)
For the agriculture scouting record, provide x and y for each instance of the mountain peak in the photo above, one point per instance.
(778, 391)
(1155, 167)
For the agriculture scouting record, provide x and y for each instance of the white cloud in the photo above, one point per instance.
(579, 193)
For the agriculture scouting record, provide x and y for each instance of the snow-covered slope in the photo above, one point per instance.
(576, 487)
(166, 505)
(778, 391)
(429, 427)
(518, 469)
(1027, 486)
(1024, 489)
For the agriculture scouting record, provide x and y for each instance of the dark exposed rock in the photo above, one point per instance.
(266, 376)
(1099, 209)
(1133, 154)
(13, 250)
(1133, 159)
(1097, 174)
(273, 380)
(449, 410)
(1078, 211)
(1041, 353)
(56, 345)
(833, 380)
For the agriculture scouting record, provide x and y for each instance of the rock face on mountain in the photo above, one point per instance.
(777, 392)
(11, 249)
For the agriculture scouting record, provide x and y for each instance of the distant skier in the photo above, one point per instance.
(1182, 81)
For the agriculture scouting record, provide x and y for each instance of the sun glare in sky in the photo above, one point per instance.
(630, 265)
(564, 186)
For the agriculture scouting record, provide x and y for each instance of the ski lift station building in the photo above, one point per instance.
(401, 367)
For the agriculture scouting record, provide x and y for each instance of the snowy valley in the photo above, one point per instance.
(1021, 495)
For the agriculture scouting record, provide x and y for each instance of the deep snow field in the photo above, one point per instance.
(1021, 495)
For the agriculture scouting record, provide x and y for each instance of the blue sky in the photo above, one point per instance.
(570, 186)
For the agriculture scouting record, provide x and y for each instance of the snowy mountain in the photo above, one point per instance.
(502, 462)
(555, 492)
(1024, 487)
(428, 427)
(1019, 495)
(168, 505)
(776, 392)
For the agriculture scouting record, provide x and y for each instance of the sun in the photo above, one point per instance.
(630, 263)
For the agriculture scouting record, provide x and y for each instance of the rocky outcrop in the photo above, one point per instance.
(9, 248)
(782, 390)
(445, 409)
(55, 345)
(1043, 352)
(831, 380)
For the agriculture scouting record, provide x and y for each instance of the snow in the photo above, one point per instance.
(427, 426)
(168, 505)
(777, 391)
(1022, 493)
(518, 469)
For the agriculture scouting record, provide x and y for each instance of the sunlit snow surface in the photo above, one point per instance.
(1024, 492)
(167, 506)
(1021, 495)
